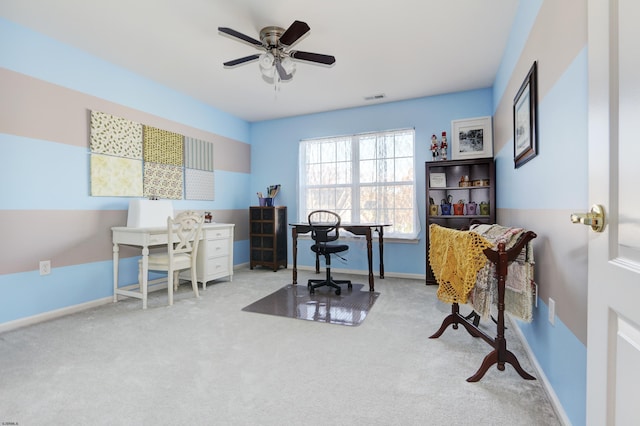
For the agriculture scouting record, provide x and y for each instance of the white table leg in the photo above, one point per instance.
(116, 252)
(145, 276)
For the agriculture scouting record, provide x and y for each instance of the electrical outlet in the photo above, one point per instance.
(552, 311)
(45, 267)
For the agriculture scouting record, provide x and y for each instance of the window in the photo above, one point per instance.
(364, 178)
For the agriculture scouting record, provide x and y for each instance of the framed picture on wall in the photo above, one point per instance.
(471, 138)
(525, 119)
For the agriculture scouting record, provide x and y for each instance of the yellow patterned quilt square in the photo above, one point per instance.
(115, 176)
(163, 147)
(163, 181)
(115, 136)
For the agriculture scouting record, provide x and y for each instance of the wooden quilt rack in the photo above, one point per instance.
(499, 355)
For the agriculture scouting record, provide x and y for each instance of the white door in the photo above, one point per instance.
(613, 342)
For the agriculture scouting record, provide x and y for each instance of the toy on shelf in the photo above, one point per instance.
(443, 146)
(434, 147)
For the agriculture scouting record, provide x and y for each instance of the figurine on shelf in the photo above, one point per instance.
(434, 147)
(443, 146)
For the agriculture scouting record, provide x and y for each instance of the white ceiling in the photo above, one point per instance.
(403, 48)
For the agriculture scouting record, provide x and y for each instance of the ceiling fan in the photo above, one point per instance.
(277, 57)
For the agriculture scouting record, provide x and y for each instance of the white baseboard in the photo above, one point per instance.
(541, 376)
(46, 316)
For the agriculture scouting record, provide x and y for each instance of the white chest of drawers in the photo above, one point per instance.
(215, 253)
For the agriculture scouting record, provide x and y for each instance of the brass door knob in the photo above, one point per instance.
(595, 218)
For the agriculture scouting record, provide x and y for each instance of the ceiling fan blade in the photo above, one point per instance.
(293, 33)
(238, 35)
(312, 57)
(241, 61)
(282, 73)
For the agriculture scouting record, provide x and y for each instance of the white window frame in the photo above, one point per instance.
(334, 174)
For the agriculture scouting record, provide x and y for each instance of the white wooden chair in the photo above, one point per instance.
(182, 251)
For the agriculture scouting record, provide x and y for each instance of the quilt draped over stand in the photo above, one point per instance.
(465, 275)
(455, 258)
(519, 283)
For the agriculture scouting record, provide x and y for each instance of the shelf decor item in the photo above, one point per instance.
(435, 148)
(525, 119)
(472, 207)
(433, 207)
(480, 182)
(458, 208)
(484, 209)
(472, 138)
(438, 180)
(443, 147)
(445, 205)
(464, 181)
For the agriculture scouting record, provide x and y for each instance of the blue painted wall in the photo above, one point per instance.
(555, 180)
(58, 177)
(274, 148)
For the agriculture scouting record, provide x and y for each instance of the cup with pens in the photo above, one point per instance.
(267, 201)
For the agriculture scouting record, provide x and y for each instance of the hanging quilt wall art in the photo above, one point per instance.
(130, 159)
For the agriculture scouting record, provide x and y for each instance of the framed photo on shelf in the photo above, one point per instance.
(471, 138)
(437, 180)
(525, 119)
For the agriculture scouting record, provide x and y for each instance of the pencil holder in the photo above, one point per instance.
(266, 202)
(484, 208)
(472, 208)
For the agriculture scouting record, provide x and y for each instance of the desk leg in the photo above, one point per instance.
(145, 276)
(294, 244)
(381, 245)
(116, 258)
(370, 259)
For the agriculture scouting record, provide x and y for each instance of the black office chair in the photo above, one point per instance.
(325, 227)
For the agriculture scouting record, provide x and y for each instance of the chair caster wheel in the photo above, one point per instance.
(338, 291)
(349, 286)
(312, 291)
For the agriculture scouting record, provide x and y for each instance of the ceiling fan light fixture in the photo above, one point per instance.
(268, 72)
(266, 60)
(288, 65)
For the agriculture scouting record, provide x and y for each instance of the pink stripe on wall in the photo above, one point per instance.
(74, 237)
(550, 30)
(46, 111)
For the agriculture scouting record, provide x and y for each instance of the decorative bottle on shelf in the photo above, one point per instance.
(443, 146)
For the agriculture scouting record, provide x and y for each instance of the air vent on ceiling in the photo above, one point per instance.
(374, 97)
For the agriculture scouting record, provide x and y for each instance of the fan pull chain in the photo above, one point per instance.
(276, 88)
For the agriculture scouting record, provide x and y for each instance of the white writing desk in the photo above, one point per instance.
(215, 254)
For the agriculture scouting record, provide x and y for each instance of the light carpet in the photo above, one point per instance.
(206, 362)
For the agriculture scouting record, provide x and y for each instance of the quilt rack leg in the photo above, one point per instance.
(454, 318)
(498, 356)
